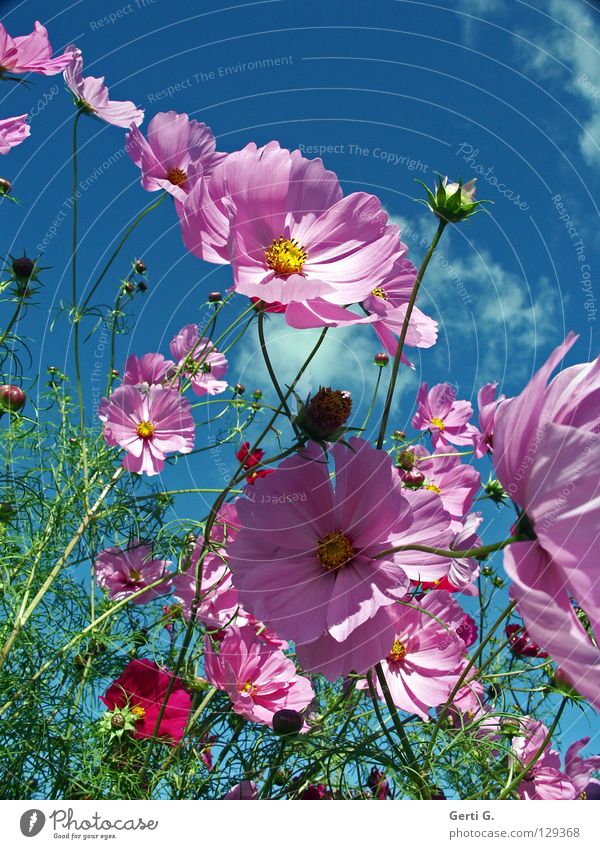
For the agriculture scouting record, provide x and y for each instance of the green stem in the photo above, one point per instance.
(271, 370)
(404, 332)
(482, 551)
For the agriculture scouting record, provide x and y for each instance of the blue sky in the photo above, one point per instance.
(390, 91)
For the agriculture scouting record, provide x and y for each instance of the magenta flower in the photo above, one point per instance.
(487, 403)
(423, 661)
(218, 598)
(91, 95)
(141, 689)
(243, 790)
(544, 780)
(547, 457)
(147, 370)
(13, 131)
(124, 571)
(202, 364)
(389, 302)
(305, 559)
(448, 419)
(148, 425)
(176, 149)
(29, 53)
(291, 238)
(258, 679)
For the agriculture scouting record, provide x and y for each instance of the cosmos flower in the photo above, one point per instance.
(176, 150)
(547, 457)
(521, 643)
(31, 53)
(544, 780)
(200, 361)
(423, 662)
(487, 403)
(448, 419)
(148, 425)
(243, 790)
(305, 559)
(579, 770)
(124, 571)
(91, 95)
(141, 688)
(13, 131)
(259, 680)
(250, 460)
(290, 236)
(147, 370)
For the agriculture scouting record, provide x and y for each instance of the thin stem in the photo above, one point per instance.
(482, 551)
(271, 370)
(404, 332)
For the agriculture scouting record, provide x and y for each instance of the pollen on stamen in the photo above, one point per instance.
(145, 429)
(380, 293)
(397, 652)
(135, 575)
(138, 711)
(286, 256)
(335, 550)
(433, 487)
(176, 176)
(437, 422)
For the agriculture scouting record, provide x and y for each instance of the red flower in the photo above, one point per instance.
(249, 460)
(142, 687)
(521, 643)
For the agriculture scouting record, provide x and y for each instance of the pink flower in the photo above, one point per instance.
(258, 679)
(488, 404)
(124, 571)
(389, 301)
(13, 131)
(448, 419)
(175, 148)
(456, 483)
(91, 95)
(579, 770)
(147, 370)
(547, 457)
(29, 53)
(424, 659)
(544, 780)
(218, 598)
(148, 425)
(305, 560)
(142, 687)
(243, 790)
(202, 364)
(290, 236)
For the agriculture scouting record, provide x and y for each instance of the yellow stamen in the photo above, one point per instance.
(380, 293)
(134, 575)
(286, 256)
(398, 651)
(138, 711)
(438, 422)
(248, 687)
(176, 176)
(335, 550)
(432, 487)
(145, 429)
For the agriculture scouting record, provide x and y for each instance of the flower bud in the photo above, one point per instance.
(414, 479)
(324, 415)
(129, 287)
(12, 398)
(7, 512)
(257, 394)
(139, 266)
(5, 186)
(215, 297)
(239, 388)
(398, 436)
(452, 202)
(406, 460)
(23, 267)
(117, 720)
(142, 287)
(495, 491)
(381, 359)
(521, 644)
(114, 372)
(287, 722)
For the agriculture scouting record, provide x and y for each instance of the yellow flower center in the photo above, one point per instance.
(432, 487)
(145, 429)
(134, 575)
(583, 795)
(138, 711)
(335, 550)
(380, 293)
(286, 256)
(248, 687)
(176, 176)
(398, 651)
(438, 422)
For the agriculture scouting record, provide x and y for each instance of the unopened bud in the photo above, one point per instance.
(381, 359)
(5, 186)
(414, 479)
(139, 266)
(406, 460)
(239, 388)
(257, 394)
(142, 287)
(215, 297)
(23, 267)
(12, 398)
(287, 722)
